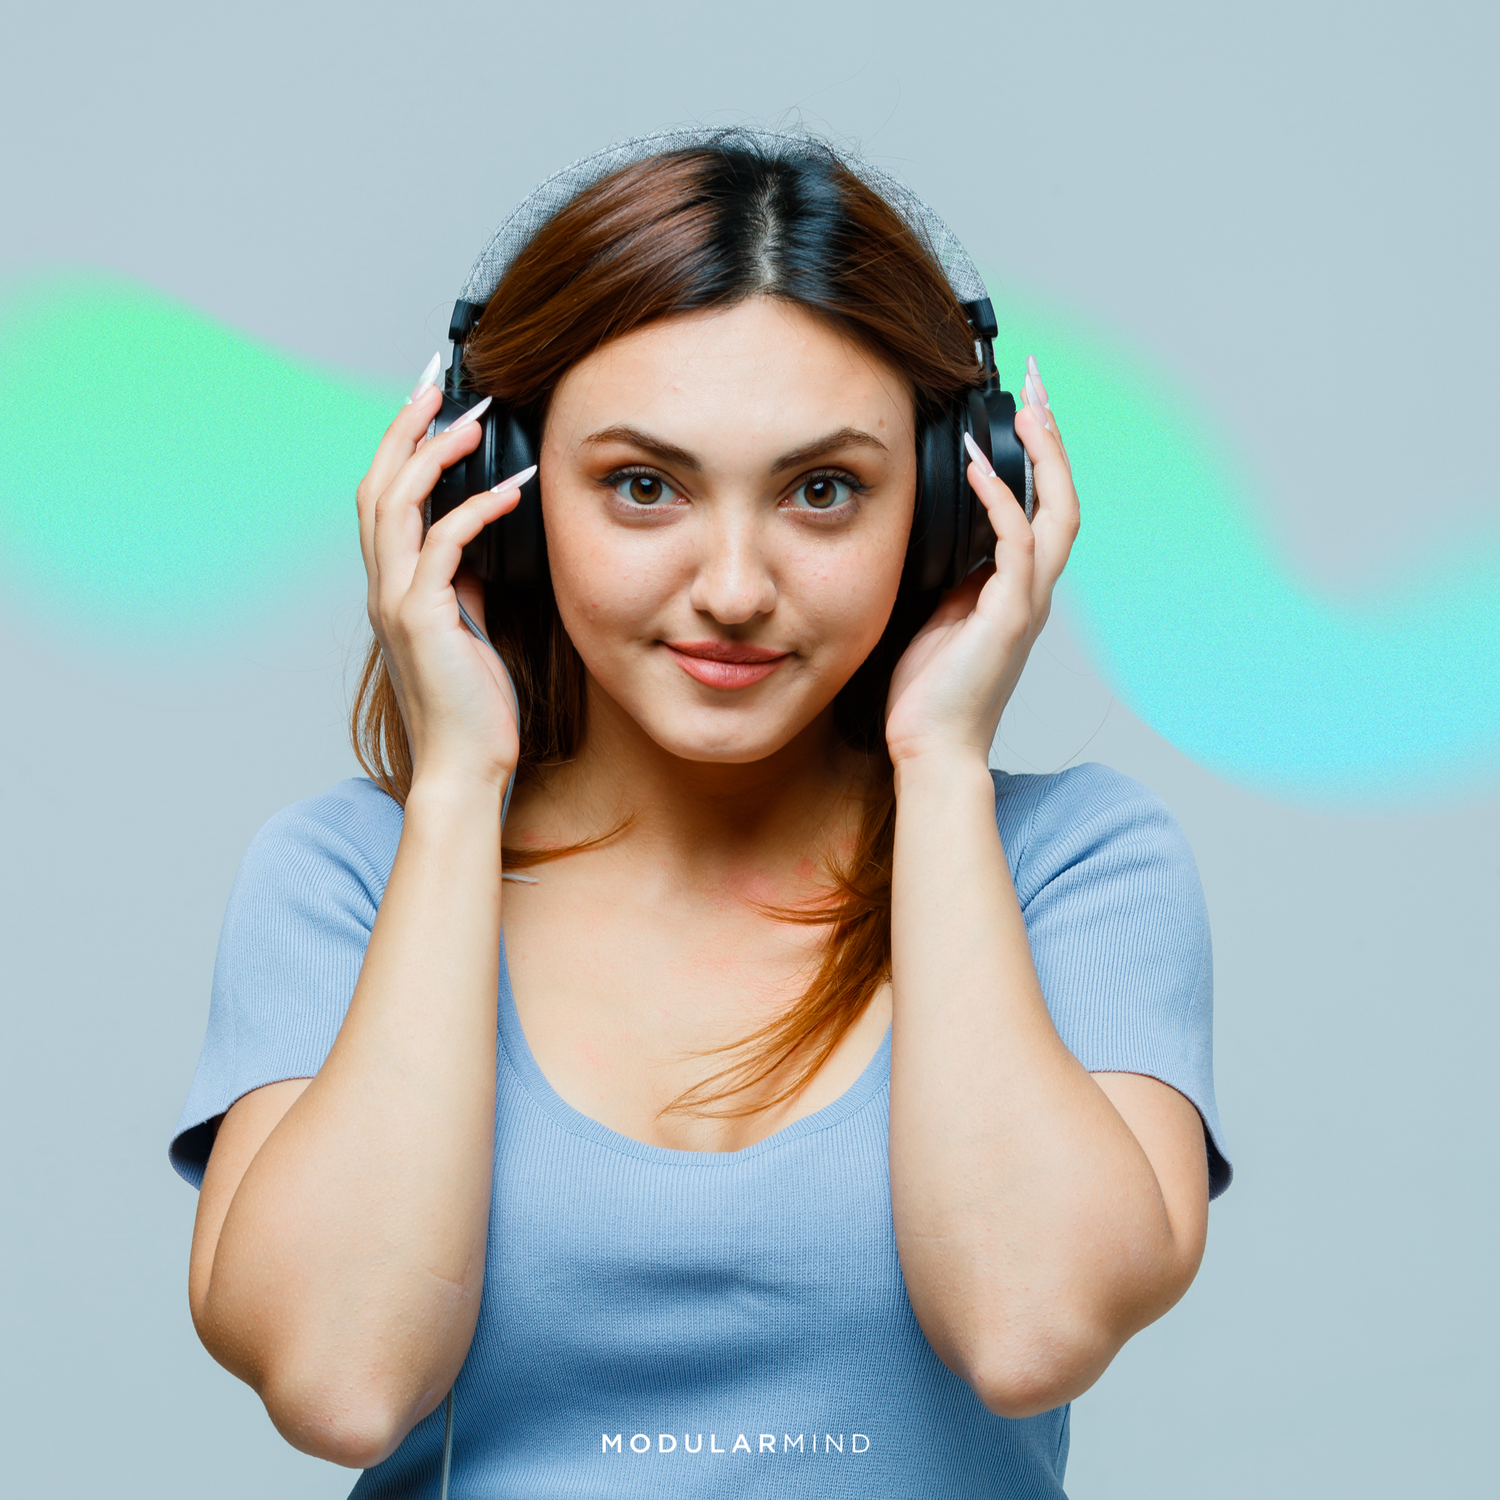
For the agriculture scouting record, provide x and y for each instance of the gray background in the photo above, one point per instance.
(1291, 207)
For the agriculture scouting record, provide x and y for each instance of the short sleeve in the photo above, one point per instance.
(299, 918)
(1118, 928)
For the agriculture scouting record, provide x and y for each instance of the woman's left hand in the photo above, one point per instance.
(954, 680)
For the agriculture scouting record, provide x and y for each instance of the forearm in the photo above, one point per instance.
(346, 1280)
(1033, 1234)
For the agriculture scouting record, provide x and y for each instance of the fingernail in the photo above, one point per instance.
(473, 414)
(515, 481)
(977, 454)
(1037, 405)
(429, 377)
(1036, 380)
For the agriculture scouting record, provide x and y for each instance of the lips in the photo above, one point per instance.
(725, 664)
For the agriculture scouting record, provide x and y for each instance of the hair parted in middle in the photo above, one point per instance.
(685, 232)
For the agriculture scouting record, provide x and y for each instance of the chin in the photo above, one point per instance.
(728, 729)
(742, 744)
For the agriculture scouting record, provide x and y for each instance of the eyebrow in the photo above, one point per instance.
(833, 442)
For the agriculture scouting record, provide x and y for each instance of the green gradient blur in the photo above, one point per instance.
(164, 479)
(162, 475)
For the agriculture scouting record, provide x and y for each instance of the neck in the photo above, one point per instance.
(707, 819)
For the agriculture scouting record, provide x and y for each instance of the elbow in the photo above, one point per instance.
(1024, 1393)
(1025, 1376)
(318, 1410)
(333, 1420)
(1041, 1357)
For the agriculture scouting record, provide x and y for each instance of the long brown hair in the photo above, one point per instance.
(679, 233)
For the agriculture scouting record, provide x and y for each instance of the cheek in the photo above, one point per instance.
(844, 605)
(605, 591)
(847, 594)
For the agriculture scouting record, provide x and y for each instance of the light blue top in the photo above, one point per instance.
(661, 1323)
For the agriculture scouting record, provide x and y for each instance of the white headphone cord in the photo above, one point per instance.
(447, 1444)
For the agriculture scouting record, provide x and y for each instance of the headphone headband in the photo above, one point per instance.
(771, 145)
(950, 530)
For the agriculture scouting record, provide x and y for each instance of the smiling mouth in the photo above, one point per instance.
(725, 664)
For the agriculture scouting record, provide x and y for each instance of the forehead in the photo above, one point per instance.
(765, 367)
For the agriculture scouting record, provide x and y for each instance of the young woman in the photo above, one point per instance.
(820, 1111)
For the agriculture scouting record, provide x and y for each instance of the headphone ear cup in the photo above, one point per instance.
(482, 472)
(978, 543)
(518, 539)
(997, 411)
(990, 418)
(512, 550)
(458, 481)
(941, 504)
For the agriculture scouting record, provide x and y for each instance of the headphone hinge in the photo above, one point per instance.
(465, 316)
(987, 363)
(981, 316)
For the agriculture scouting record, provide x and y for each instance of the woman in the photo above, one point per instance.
(821, 1112)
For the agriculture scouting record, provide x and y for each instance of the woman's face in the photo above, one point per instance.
(727, 499)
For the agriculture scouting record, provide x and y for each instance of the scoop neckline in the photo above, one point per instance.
(534, 1082)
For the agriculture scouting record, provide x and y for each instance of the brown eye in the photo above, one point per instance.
(822, 492)
(644, 489)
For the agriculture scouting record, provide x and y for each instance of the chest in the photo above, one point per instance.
(683, 1260)
(629, 997)
(668, 1325)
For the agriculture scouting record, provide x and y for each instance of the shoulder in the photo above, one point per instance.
(348, 833)
(1086, 814)
(319, 866)
(294, 936)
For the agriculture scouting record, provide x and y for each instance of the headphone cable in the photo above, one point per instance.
(447, 1444)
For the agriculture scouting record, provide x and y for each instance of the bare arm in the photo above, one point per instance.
(339, 1250)
(1042, 1215)
(340, 1275)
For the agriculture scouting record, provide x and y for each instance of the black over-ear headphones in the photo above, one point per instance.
(950, 533)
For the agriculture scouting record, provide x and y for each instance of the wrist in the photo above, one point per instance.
(444, 794)
(945, 769)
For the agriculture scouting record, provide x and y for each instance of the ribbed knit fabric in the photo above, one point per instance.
(662, 1323)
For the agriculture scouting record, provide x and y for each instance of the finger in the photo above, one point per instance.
(1012, 529)
(1036, 395)
(1009, 603)
(470, 593)
(396, 538)
(442, 551)
(958, 603)
(1055, 514)
(398, 443)
(406, 436)
(1055, 511)
(470, 590)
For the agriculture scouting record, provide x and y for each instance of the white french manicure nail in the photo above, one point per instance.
(515, 481)
(473, 414)
(429, 377)
(977, 454)
(1036, 380)
(1037, 405)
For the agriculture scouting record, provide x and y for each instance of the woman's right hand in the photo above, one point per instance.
(455, 699)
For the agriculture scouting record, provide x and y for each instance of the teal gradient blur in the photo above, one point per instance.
(164, 480)
(1192, 614)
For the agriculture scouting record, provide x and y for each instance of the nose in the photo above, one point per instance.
(734, 582)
